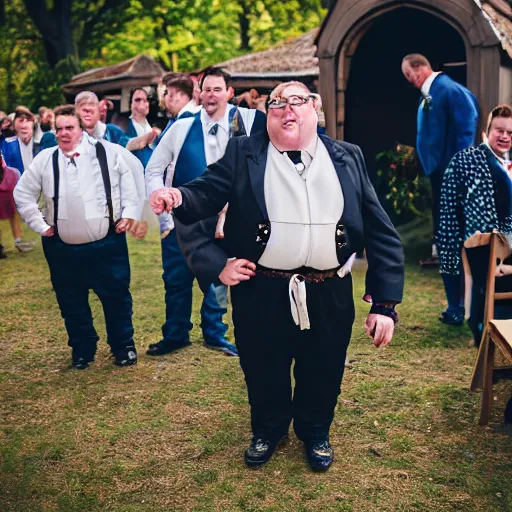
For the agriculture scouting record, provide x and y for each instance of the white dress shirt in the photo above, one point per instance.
(427, 84)
(141, 128)
(83, 212)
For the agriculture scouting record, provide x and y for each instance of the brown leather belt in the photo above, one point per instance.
(309, 275)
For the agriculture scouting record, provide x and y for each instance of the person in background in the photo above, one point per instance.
(185, 150)
(138, 126)
(447, 123)
(91, 199)
(476, 196)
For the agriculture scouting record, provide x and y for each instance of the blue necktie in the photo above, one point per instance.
(214, 129)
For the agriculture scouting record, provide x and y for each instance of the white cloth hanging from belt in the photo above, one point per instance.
(298, 301)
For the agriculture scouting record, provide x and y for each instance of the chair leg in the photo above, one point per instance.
(485, 408)
(477, 380)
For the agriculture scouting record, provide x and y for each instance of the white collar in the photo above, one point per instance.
(425, 88)
(502, 160)
(189, 107)
(30, 142)
(99, 130)
(310, 149)
(208, 122)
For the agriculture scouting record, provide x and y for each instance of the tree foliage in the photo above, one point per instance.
(50, 40)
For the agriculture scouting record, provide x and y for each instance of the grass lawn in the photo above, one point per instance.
(169, 433)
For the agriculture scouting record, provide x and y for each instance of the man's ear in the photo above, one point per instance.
(231, 92)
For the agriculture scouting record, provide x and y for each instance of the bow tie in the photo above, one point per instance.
(72, 157)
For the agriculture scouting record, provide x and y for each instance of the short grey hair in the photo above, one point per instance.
(86, 97)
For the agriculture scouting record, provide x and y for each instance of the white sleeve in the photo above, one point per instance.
(137, 170)
(26, 196)
(166, 154)
(130, 200)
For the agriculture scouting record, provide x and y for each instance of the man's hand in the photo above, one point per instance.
(165, 199)
(139, 229)
(380, 328)
(219, 230)
(124, 225)
(237, 270)
(48, 232)
(150, 137)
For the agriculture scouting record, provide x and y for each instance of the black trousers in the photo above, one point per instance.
(102, 266)
(478, 259)
(268, 341)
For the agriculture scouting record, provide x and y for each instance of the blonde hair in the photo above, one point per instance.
(86, 97)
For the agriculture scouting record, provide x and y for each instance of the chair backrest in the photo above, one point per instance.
(499, 251)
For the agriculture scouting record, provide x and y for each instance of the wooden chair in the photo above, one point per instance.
(496, 333)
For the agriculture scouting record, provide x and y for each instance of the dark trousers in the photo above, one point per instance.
(102, 266)
(178, 282)
(453, 284)
(268, 341)
(478, 259)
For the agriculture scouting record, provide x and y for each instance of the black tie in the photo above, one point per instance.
(214, 129)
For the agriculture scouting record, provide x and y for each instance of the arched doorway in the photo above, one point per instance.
(380, 105)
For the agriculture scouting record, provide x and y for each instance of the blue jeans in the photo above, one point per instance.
(178, 281)
(102, 266)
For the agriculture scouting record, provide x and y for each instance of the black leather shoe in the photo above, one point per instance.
(80, 363)
(261, 450)
(126, 356)
(165, 347)
(450, 318)
(320, 455)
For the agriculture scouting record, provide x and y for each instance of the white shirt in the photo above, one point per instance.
(166, 153)
(141, 128)
(303, 213)
(427, 84)
(27, 152)
(189, 107)
(83, 212)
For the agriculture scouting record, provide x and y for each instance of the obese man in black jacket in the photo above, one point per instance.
(300, 205)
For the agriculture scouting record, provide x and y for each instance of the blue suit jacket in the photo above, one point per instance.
(12, 153)
(447, 125)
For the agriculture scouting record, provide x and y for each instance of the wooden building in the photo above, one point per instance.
(115, 82)
(360, 48)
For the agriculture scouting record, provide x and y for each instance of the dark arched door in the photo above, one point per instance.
(380, 104)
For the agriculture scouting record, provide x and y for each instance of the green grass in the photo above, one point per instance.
(169, 434)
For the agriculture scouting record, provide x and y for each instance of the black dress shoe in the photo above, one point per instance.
(450, 318)
(166, 347)
(261, 450)
(320, 455)
(80, 363)
(126, 356)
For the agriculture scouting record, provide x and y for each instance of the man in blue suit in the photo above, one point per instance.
(447, 123)
(19, 151)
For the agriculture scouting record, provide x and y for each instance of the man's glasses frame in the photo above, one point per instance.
(295, 100)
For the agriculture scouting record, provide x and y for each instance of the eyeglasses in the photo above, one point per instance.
(293, 101)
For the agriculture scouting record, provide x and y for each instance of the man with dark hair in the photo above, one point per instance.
(447, 123)
(19, 151)
(299, 206)
(186, 149)
(92, 196)
(138, 125)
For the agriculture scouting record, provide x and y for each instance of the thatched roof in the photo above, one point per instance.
(141, 70)
(291, 58)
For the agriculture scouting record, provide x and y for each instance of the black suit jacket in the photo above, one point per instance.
(238, 178)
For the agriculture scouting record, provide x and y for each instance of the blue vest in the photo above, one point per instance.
(191, 161)
(143, 154)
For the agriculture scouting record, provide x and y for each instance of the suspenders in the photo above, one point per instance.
(102, 158)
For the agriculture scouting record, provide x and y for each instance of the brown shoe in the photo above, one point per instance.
(432, 262)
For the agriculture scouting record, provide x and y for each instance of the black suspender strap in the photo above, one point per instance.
(102, 158)
(56, 178)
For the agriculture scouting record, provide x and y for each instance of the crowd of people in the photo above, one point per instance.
(250, 194)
